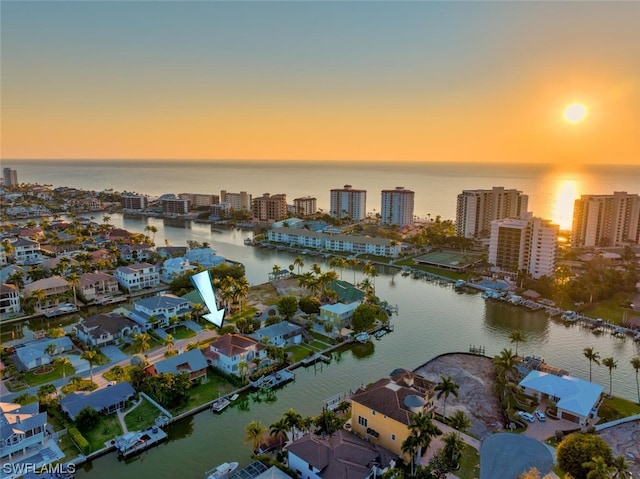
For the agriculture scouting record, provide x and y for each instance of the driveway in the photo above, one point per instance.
(114, 354)
(506, 456)
(542, 430)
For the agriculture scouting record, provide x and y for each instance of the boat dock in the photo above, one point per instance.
(138, 441)
(273, 380)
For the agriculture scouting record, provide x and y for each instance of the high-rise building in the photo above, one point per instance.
(526, 244)
(237, 201)
(10, 177)
(131, 201)
(200, 199)
(305, 206)
(270, 207)
(348, 202)
(476, 209)
(606, 220)
(175, 206)
(397, 207)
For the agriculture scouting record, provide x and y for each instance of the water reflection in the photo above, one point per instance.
(363, 350)
(180, 429)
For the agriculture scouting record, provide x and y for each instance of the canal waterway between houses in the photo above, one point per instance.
(433, 319)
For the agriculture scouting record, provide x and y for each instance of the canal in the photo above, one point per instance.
(433, 319)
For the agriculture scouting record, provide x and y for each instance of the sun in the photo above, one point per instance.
(575, 113)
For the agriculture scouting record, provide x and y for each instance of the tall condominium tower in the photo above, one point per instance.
(397, 207)
(348, 202)
(305, 206)
(524, 244)
(270, 207)
(606, 220)
(132, 201)
(237, 201)
(198, 199)
(10, 177)
(476, 209)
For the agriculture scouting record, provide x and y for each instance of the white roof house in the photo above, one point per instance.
(577, 400)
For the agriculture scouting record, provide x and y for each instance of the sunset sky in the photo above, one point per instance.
(351, 80)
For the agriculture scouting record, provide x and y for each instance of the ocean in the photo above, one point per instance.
(551, 188)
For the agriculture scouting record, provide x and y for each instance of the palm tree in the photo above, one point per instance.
(91, 357)
(63, 362)
(299, 262)
(74, 280)
(293, 420)
(620, 468)
(445, 387)
(611, 364)
(254, 432)
(410, 447)
(51, 349)
(174, 321)
(593, 356)
(39, 294)
(424, 430)
(142, 342)
(598, 468)
(197, 309)
(279, 429)
(460, 421)
(169, 342)
(369, 269)
(635, 363)
(517, 337)
(315, 268)
(453, 447)
(354, 263)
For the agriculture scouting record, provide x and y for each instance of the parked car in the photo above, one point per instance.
(540, 415)
(526, 416)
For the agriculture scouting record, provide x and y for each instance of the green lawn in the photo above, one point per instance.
(142, 416)
(66, 444)
(107, 429)
(182, 332)
(469, 464)
(212, 389)
(617, 408)
(323, 338)
(611, 310)
(35, 379)
(299, 352)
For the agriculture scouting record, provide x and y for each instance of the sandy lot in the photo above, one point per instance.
(474, 376)
(624, 439)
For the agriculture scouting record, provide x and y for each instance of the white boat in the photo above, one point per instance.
(222, 471)
(362, 337)
(219, 404)
(234, 397)
(460, 283)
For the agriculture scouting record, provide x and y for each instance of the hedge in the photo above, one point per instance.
(80, 440)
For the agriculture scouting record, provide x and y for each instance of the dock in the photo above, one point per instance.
(138, 441)
(273, 380)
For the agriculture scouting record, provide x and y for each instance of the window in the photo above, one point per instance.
(393, 437)
(373, 413)
(362, 421)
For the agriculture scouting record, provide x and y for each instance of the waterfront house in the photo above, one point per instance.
(160, 308)
(9, 299)
(171, 251)
(340, 455)
(118, 235)
(138, 276)
(226, 352)
(12, 269)
(281, 334)
(22, 431)
(103, 329)
(381, 412)
(192, 362)
(174, 267)
(204, 257)
(135, 252)
(53, 286)
(26, 252)
(347, 293)
(97, 284)
(53, 265)
(105, 401)
(338, 314)
(577, 400)
(35, 353)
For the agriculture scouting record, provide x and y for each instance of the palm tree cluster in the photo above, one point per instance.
(231, 290)
(422, 431)
(610, 363)
(317, 281)
(506, 386)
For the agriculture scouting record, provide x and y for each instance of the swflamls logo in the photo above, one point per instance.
(22, 468)
(202, 282)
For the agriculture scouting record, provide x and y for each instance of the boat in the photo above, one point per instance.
(137, 441)
(379, 333)
(636, 337)
(234, 397)
(569, 316)
(222, 471)
(460, 283)
(219, 404)
(619, 332)
(362, 337)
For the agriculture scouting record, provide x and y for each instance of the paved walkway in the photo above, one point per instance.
(122, 414)
(437, 443)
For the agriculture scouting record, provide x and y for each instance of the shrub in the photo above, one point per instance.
(80, 440)
(87, 419)
(578, 449)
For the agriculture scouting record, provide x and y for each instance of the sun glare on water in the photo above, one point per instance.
(575, 113)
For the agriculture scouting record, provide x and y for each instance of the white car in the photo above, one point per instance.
(526, 416)
(540, 415)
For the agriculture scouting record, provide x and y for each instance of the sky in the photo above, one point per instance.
(440, 81)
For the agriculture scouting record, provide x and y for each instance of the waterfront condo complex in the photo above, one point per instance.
(397, 207)
(606, 220)
(476, 209)
(348, 202)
